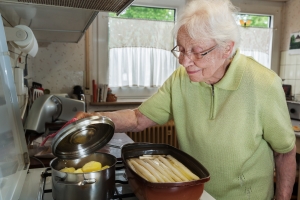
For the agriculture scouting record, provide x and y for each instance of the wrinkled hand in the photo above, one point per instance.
(81, 115)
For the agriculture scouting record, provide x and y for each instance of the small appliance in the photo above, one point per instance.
(51, 108)
(294, 110)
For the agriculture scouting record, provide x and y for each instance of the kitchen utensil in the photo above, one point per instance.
(37, 93)
(92, 185)
(145, 190)
(36, 85)
(74, 145)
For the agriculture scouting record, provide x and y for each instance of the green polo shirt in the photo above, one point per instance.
(230, 127)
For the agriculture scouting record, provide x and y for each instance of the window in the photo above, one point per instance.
(147, 13)
(140, 40)
(256, 35)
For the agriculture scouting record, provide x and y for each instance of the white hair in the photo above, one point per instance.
(210, 19)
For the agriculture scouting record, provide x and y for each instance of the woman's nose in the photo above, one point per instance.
(185, 60)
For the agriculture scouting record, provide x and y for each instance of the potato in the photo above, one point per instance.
(79, 170)
(91, 166)
(104, 167)
(68, 169)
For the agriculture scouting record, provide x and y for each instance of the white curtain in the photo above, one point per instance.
(139, 52)
(257, 43)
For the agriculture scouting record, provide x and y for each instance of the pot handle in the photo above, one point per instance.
(80, 183)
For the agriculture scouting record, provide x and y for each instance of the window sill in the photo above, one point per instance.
(116, 103)
(113, 106)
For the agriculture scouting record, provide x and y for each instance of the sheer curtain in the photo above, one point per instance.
(257, 43)
(139, 52)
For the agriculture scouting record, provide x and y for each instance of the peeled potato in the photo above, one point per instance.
(91, 166)
(105, 167)
(68, 169)
(79, 170)
(88, 167)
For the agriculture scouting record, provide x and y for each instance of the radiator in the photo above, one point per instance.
(165, 134)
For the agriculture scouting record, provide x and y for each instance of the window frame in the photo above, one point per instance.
(126, 93)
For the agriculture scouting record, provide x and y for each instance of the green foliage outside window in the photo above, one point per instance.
(259, 21)
(166, 14)
(140, 12)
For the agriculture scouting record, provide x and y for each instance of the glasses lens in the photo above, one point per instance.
(176, 52)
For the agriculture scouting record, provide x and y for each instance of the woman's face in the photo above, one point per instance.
(209, 68)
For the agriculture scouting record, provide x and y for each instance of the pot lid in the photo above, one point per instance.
(83, 137)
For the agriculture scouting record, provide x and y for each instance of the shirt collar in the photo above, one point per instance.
(234, 74)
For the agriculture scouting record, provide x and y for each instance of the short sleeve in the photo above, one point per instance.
(158, 106)
(277, 127)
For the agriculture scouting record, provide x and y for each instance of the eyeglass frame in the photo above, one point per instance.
(204, 53)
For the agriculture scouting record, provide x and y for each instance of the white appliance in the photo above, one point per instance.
(294, 110)
(49, 108)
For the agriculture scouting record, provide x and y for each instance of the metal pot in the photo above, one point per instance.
(74, 146)
(92, 185)
(146, 190)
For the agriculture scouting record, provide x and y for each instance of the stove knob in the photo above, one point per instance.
(292, 110)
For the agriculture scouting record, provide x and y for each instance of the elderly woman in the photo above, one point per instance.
(230, 111)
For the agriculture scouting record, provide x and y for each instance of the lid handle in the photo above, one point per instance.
(54, 134)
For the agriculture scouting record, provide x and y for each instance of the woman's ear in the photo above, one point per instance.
(228, 49)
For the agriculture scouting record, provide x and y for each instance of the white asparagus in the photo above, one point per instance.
(131, 166)
(145, 172)
(183, 168)
(174, 170)
(148, 167)
(165, 175)
(146, 157)
(136, 171)
(141, 174)
(168, 170)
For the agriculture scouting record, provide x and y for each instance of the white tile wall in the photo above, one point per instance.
(290, 70)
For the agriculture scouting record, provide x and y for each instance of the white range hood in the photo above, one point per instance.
(57, 20)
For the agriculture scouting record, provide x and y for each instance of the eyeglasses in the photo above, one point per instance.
(192, 55)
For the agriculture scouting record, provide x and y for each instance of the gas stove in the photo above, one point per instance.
(38, 185)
